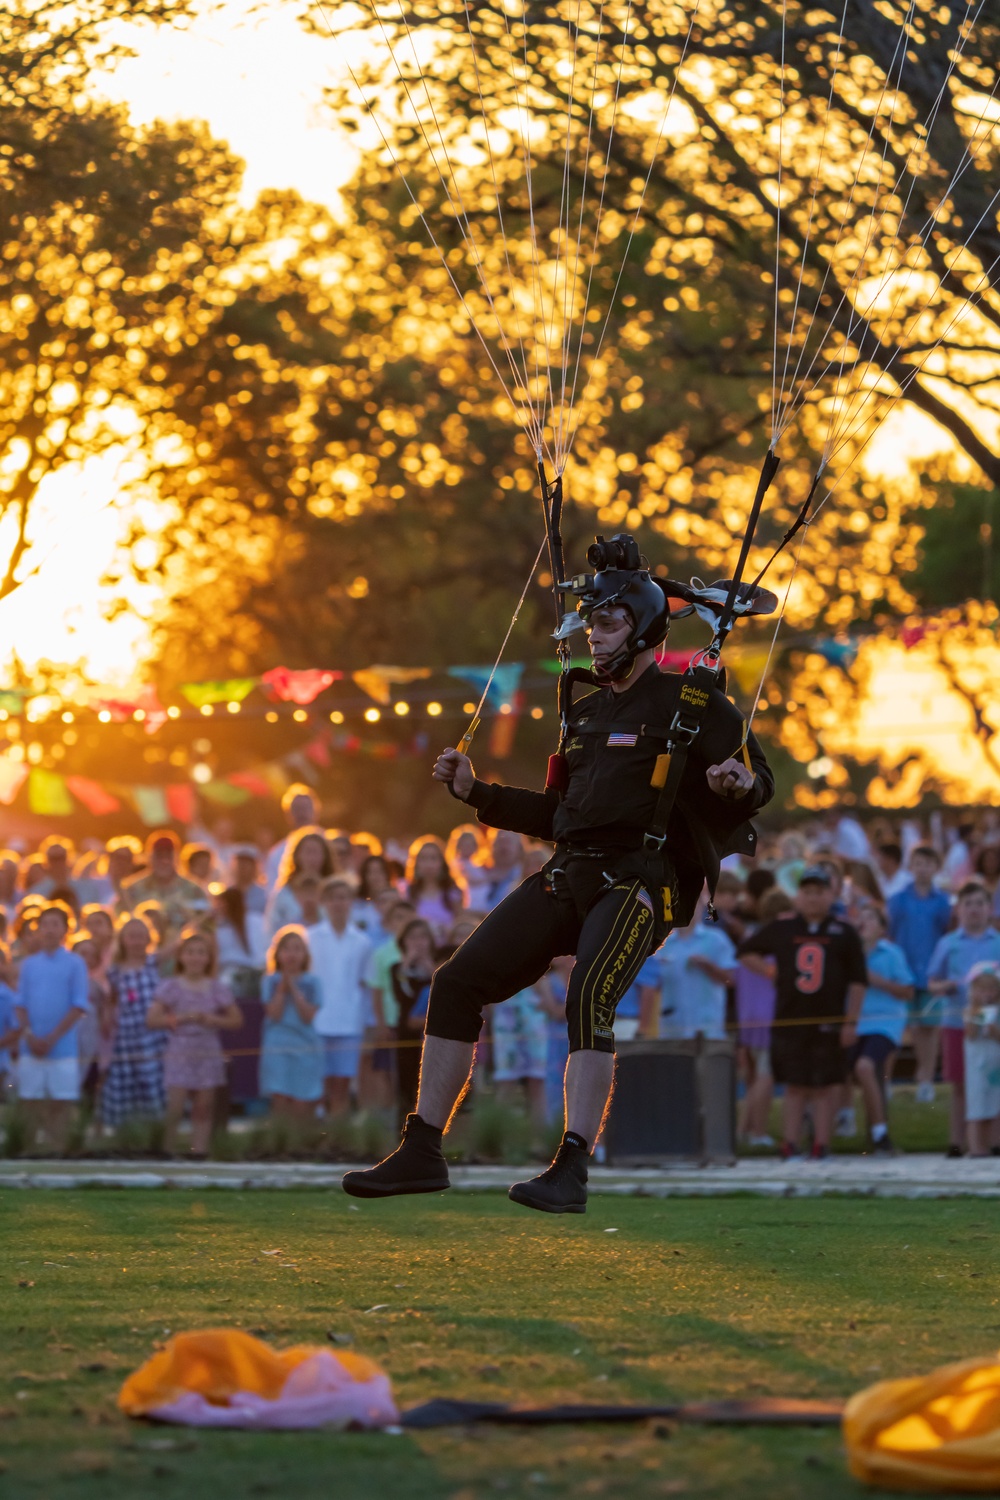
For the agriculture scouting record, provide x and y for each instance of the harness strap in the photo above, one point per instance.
(695, 696)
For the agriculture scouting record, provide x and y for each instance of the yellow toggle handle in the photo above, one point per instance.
(468, 736)
(659, 776)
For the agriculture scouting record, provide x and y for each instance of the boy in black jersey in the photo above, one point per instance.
(818, 964)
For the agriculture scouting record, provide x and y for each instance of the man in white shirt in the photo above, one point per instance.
(682, 988)
(301, 811)
(340, 955)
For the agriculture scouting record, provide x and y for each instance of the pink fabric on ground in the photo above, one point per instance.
(318, 1393)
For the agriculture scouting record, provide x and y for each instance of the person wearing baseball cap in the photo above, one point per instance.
(818, 966)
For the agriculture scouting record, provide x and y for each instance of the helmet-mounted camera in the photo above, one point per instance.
(621, 551)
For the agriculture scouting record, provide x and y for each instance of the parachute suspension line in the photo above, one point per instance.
(474, 722)
(801, 520)
(633, 227)
(562, 231)
(970, 156)
(778, 423)
(910, 169)
(574, 251)
(798, 400)
(845, 300)
(804, 518)
(535, 432)
(453, 193)
(433, 239)
(891, 397)
(534, 277)
(748, 722)
(537, 285)
(855, 318)
(775, 407)
(597, 225)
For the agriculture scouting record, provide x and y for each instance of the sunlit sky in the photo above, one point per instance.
(258, 81)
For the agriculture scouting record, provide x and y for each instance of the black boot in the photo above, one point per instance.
(561, 1188)
(416, 1166)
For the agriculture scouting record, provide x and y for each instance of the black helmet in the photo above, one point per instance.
(622, 577)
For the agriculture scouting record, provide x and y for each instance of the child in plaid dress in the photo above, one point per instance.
(134, 1081)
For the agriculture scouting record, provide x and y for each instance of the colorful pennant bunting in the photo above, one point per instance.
(47, 794)
(301, 687)
(95, 797)
(198, 694)
(13, 775)
(225, 794)
(151, 805)
(378, 682)
(503, 688)
(181, 802)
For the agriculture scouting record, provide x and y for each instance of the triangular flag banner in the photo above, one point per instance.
(838, 653)
(181, 802)
(378, 682)
(225, 794)
(151, 805)
(503, 688)
(95, 798)
(13, 775)
(747, 666)
(199, 694)
(47, 794)
(298, 687)
(146, 701)
(251, 781)
(912, 635)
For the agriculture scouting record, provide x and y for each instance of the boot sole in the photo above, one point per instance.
(359, 1189)
(527, 1201)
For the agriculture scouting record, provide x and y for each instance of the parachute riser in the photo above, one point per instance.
(552, 503)
(727, 618)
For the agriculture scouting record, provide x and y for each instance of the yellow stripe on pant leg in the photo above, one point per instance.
(611, 946)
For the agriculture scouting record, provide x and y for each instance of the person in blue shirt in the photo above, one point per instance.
(919, 917)
(881, 1021)
(974, 941)
(52, 998)
(683, 986)
(10, 1031)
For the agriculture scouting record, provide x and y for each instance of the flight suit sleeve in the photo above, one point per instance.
(514, 808)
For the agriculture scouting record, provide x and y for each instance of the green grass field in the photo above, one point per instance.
(641, 1300)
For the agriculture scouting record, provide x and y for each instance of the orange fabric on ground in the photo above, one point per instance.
(219, 1362)
(935, 1432)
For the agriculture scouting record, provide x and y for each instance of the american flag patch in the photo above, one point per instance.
(623, 739)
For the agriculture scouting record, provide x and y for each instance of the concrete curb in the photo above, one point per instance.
(854, 1177)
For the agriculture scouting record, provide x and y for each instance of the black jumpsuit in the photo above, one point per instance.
(602, 896)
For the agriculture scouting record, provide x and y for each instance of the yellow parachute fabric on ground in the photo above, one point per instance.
(934, 1432)
(219, 1363)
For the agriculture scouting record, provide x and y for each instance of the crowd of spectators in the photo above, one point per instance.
(162, 980)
